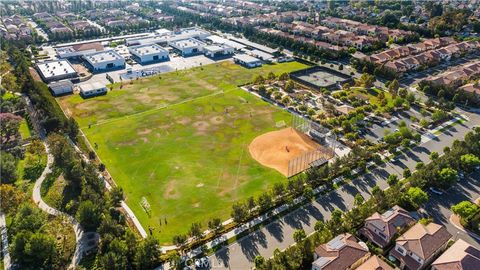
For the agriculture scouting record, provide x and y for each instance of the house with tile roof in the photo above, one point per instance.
(420, 245)
(381, 228)
(375, 263)
(460, 256)
(341, 253)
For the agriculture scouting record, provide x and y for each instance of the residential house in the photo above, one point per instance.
(419, 246)
(341, 253)
(460, 256)
(381, 228)
(375, 263)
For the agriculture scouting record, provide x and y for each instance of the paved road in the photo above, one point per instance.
(279, 234)
(439, 205)
(81, 241)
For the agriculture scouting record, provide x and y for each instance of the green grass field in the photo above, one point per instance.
(180, 141)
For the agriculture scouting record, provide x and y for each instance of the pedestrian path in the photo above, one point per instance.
(37, 198)
(3, 231)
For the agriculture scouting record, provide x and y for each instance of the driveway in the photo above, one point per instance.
(279, 233)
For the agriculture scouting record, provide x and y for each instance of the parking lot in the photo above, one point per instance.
(376, 128)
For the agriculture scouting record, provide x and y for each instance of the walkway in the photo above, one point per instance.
(37, 198)
(3, 231)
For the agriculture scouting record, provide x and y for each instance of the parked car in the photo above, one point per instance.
(202, 263)
(436, 191)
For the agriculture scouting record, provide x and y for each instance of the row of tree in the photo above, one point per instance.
(408, 193)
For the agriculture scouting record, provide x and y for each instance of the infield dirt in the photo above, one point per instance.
(276, 148)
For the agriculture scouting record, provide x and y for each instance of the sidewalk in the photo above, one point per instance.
(3, 231)
(37, 198)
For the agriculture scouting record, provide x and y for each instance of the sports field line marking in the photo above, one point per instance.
(158, 108)
(238, 171)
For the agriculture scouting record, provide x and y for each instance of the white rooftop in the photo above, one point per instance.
(105, 56)
(216, 48)
(187, 43)
(52, 69)
(246, 58)
(263, 55)
(220, 40)
(91, 86)
(149, 49)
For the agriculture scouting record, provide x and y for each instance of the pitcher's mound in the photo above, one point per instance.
(275, 149)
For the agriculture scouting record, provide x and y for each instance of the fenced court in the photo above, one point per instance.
(320, 77)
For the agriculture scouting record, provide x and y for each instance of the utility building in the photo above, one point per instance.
(56, 70)
(213, 51)
(105, 61)
(247, 60)
(92, 89)
(188, 47)
(145, 54)
(61, 87)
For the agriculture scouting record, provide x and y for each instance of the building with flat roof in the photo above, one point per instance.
(217, 50)
(165, 37)
(247, 60)
(145, 54)
(254, 45)
(220, 40)
(188, 46)
(103, 61)
(79, 50)
(92, 89)
(56, 70)
(61, 87)
(262, 55)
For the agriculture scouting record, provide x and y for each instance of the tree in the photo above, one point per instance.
(259, 79)
(308, 193)
(179, 240)
(402, 92)
(8, 167)
(117, 195)
(392, 179)
(215, 224)
(358, 200)
(289, 86)
(264, 201)
(11, 198)
(469, 162)
(299, 235)
(195, 230)
(416, 197)
(271, 76)
(407, 173)
(367, 80)
(33, 250)
(465, 209)
(28, 218)
(393, 87)
(433, 156)
(447, 177)
(88, 215)
(259, 261)
(147, 255)
(284, 76)
(239, 212)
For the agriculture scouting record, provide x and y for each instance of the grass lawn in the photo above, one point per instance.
(181, 142)
(371, 95)
(24, 129)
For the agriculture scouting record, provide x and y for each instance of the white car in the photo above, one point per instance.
(436, 191)
(202, 263)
